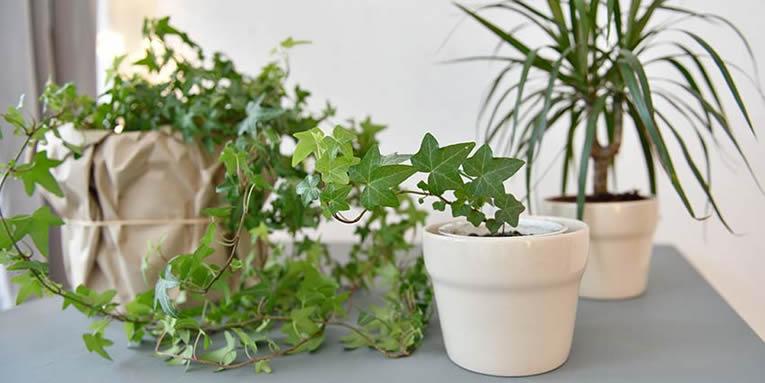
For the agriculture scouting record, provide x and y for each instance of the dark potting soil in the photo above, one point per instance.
(513, 233)
(607, 197)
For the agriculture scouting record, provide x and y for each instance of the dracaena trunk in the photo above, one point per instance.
(600, 176)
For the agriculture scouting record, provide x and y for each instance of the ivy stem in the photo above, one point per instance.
(342, 219)
(44, 280)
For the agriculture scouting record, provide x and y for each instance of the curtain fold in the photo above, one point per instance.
(42, 40)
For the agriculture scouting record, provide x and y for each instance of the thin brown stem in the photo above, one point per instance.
(342, 219)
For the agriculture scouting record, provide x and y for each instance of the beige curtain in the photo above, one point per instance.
(41, 40)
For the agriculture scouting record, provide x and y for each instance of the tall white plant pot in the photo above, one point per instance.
(621, 239)
(507, 305)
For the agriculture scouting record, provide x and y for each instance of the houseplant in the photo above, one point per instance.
(594, 69)
(270, 299)
(506, 287)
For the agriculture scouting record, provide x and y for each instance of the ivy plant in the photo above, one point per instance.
(276, 299)
(474, 180)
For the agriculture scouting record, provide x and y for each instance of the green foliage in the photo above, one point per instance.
(475, 181)
(596, 68)
(264, 301)
(37, 172)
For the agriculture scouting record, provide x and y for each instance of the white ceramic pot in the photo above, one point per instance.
(507, 305)
(621, 238)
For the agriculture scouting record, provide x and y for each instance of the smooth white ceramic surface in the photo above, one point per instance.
(621, 236)
(507, 305)
(527, 227)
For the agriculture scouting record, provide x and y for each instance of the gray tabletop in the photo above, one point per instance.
(679, 331)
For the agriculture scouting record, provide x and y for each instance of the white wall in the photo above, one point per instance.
(380, 57)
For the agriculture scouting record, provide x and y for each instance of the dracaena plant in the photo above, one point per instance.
(593, 72)
(271, 301)
(465, 183)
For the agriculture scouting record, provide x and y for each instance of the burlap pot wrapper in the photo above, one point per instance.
(126, 192)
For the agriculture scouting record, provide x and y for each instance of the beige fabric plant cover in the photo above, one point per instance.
(125, 192)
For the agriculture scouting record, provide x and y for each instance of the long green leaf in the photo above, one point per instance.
(729, 24)
(640, 99)
(645, 145)
(521, 83)
(726, 128)
(568, 157)
(691, 81)
(560, 21)
(696, 173)
(539, 63)
(726, 75)
(615, 14)
(541, 125)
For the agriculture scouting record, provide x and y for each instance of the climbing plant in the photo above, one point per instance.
(272, 301)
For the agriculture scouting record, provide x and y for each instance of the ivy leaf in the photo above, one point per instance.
(28, 286)
(289, 42)
(36, 226)
(263, 366)
(493, 225)
(353, 340)
(14, 117)
(335, 169)
(510, 209)
(256, 114)
(308, 189)
(362, 172)
(166, 282)
(260, 232)
(236, 163)
(441, 163)
(308, 142)
(462, 209)
(96, 343)
(378, 192)
(335, 199)
(489, 172)
(38, 172)
(224, 355)
(395, 159)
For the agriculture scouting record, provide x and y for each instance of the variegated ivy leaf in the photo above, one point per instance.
(166, 282)
(308, 189)
(256, 114)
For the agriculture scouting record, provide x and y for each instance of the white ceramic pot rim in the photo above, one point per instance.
(645, 201)
(528, 227)
(571, 227)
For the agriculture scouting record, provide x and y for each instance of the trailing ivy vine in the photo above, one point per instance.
(272, 301)
(276, 299)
